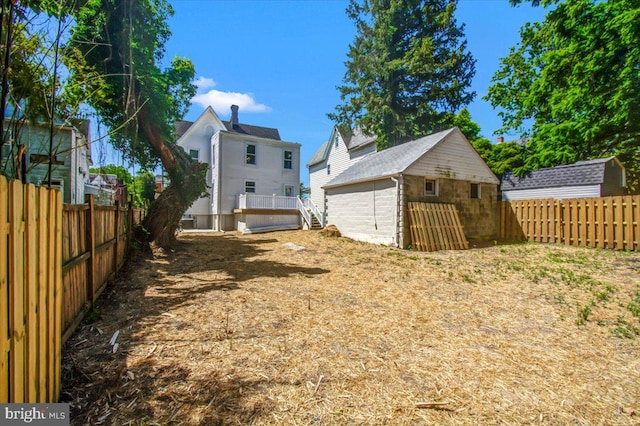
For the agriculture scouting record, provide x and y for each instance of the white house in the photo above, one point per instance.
(368, 200)
(253, 177)
(342, 150)
(601, 177)
(70, 157)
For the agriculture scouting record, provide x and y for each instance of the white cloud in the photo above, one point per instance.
(204, 83)
(222, 101)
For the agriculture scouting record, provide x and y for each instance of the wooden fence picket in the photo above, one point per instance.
(607, 222)
(48, 263)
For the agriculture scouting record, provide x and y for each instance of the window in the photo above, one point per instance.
(328, 169)
(249, 186)
(288, 160)
(430, 187)
(250, 154)
(335, 140)
(288, 191)
(475, 190)
(194, 154)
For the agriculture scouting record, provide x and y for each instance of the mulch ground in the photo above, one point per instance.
(297, 328)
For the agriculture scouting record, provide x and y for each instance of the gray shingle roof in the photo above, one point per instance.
(589, 172)
(261, 132)
(358, 139)
(320, 155)
(181, 127)
(353, 140)
(388, 162)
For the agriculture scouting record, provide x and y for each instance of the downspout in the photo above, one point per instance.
(395, 216)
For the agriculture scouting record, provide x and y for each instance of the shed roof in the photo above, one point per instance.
(590, 172)
(389, 162)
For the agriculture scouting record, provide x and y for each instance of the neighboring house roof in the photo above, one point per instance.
(389, 162)
(320, 155)
(103, 180)
(181, 127)
(353, 140)
(357, 139)
(589, 172)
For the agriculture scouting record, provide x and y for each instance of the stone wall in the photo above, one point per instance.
(480, 217)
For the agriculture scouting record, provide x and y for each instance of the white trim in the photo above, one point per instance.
(433, 193)
(255, 186)
(284, 159)
(255, 154)
(189, 149)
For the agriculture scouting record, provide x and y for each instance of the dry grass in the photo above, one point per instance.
(255, 330)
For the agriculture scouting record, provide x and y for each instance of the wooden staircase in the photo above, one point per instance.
(315, 223)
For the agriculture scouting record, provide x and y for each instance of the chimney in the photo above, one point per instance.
(234, 116)
(500, 139)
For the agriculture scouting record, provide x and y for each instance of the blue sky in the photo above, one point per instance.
(281, 61)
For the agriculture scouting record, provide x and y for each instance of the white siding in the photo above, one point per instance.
(198, 137)
(215, 173)
(268, 173)
(584, 191)
(453, 158)
(364, 211)
(339, 158)
(258, 221)
(317, 179)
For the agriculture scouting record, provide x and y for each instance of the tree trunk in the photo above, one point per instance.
(187, 184)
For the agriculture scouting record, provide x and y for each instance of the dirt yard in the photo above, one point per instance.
(297, 328)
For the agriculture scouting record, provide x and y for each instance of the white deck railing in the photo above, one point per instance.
(304, 212)
(273, 202)
(313, 208)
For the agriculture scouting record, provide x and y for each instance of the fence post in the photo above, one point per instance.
(129, 227)
(117, 237)
(91, 241)
(16, 294)
(4, 305)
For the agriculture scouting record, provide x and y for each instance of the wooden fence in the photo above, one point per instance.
(95, 243)
(30, 292)
(608, 222)
(436, 226)
(54, 261)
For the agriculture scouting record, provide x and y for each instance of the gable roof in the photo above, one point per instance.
(590, 172)
(391, 161)
(356, 139)
(353, 140)
(320, 155)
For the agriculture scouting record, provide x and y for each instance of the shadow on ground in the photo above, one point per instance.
(108, 388)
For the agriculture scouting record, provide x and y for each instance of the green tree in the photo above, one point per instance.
(408, 69)
(144, 187)
(575, 77)
(114, 55)
(502, 157)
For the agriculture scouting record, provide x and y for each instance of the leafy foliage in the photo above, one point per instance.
(408, 69)
(114, 51)
(500, 158)
(576, 77)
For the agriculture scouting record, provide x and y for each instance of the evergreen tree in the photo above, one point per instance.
(408, 69)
